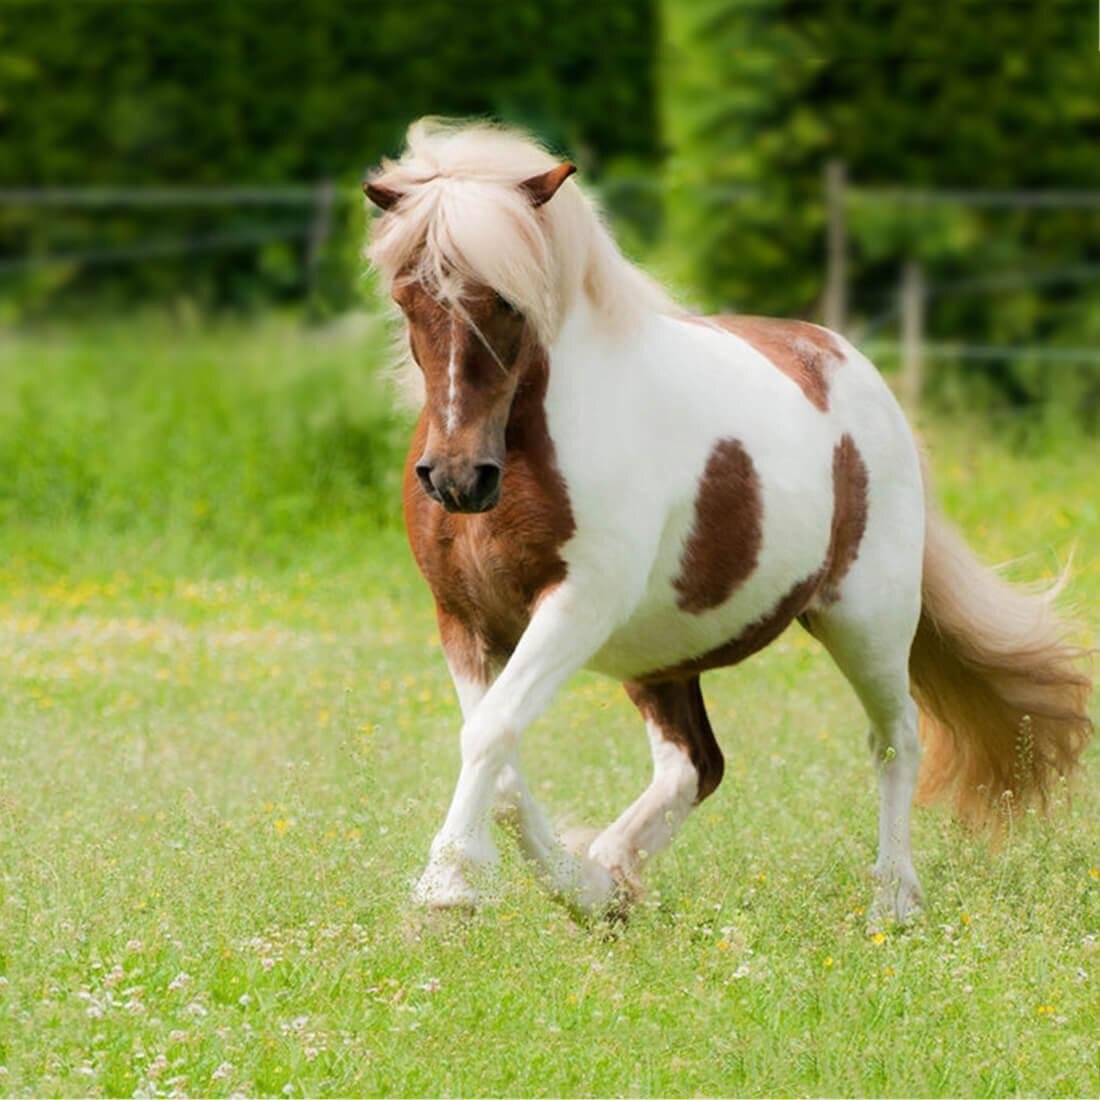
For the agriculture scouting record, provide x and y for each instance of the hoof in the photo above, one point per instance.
(584, 885)
(897, 899)
(623, 867)
(443, 887)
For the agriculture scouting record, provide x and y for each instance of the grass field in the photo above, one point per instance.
(223, 760)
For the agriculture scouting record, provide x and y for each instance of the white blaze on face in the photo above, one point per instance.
(452, 380)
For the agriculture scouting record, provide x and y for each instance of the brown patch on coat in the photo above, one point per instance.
(754, 637)
(466, 656)
(487, 570)
(724, 543)
(849, 520)
(805, 353)
(676, 708)
(850, 487)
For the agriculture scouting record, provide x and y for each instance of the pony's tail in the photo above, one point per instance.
(1003, 696)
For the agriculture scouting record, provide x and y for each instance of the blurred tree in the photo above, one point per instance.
(178, 92)
(759, 94)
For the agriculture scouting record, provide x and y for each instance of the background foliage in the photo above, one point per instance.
(759, 94)
(705, 123)
(187, 92)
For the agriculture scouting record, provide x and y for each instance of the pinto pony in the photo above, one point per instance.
(599, 480)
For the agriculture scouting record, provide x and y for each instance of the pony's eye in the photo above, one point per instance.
(504, 305)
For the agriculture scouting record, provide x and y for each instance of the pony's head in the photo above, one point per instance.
(466, 246)
(486, 245)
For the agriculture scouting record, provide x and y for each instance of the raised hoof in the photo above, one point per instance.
(586, 887)
(624, 870)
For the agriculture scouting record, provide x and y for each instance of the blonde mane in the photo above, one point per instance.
(462, 220)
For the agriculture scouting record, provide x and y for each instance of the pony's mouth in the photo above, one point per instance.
(467, 508)
(481, 493)
(477, 499)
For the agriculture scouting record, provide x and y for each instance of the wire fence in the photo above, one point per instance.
(998, 281)
(318, 199)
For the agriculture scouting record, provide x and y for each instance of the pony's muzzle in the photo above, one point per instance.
(473, 488)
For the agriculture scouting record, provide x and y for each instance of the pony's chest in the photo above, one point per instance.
(487, 571)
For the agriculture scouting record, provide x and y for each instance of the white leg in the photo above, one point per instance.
(649, 824)
(469, 689)
(687, 766)
(895, 748)
(574, 878)
(875, 662)
(566, 629)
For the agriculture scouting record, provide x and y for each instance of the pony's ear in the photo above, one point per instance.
(542, 188)
(382, 197)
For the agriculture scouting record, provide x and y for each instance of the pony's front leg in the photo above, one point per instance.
(569, 876)
(568, 626)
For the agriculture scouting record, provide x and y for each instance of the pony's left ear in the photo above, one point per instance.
(382, 197)
(541, 189)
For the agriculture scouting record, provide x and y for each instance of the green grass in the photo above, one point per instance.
(222, 762)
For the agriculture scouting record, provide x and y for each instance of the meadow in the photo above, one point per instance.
(227, 737)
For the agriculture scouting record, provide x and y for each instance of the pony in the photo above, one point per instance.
(599, 479)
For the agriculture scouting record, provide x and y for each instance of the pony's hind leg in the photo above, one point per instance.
(872, 651)
(687, 766)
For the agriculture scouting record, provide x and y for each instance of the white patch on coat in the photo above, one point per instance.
(452, 380)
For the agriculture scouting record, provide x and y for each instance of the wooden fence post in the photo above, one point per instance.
(912, 335)
(836, 255)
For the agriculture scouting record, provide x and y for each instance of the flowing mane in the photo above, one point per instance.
(462, 220)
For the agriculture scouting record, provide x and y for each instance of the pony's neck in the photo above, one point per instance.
(594, 350)
(618, 295)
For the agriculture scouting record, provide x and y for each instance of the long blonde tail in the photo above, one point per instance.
(1003, 695)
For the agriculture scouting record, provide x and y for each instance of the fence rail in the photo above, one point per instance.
(294, 194)
(148, 250)
(989, 353)
(1008, 200)
(321, 197)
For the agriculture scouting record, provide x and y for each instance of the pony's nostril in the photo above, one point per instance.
(424, 472)
(487, 481)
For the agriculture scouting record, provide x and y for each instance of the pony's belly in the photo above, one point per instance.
(661, 639)
(738, 558)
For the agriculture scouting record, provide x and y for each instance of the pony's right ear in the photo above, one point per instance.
(382, 197)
